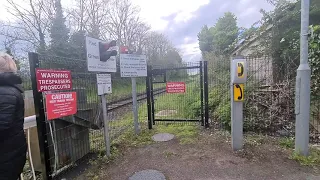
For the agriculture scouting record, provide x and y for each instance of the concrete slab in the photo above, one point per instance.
(166, 113)
(148, 174)
(162, 137)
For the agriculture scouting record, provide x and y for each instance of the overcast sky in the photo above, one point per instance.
(181, 20)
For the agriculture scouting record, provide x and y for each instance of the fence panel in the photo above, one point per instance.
(269, 103)
(269, 98)
(73, 138)
(182, 101)
(219, 93)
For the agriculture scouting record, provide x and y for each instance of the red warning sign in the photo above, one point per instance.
(61, 104)
(53, 80)
(176, 87)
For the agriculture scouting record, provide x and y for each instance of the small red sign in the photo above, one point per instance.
(176, 87)
(61, 104)
(53, 80)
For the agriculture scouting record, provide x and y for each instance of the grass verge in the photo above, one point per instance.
(313, 159)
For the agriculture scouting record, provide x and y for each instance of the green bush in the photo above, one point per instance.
(193, 109)
(223, 113)
(215, 97)
(192, 106)
(314, 60)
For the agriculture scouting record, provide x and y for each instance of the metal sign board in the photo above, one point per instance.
(176, 87)
(61, 104)
(93, 57)
(239, 71)
(104, 84)
(238, 92)
(133, 65)
(53, 80)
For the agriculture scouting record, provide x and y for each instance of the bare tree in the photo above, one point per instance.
(31, 21)
(110, 19)
(97, 17)
(124, 22)
(157, 46)
(120, 20)
(141, 36)
(77, 15)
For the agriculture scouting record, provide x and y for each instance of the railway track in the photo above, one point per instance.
(125, 101)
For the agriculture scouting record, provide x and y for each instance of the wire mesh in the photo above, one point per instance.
(219, 93)
(73, 138)
(182, 104)
(269, 105)
(269, 98)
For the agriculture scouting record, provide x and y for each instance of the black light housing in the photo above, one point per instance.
(105, 53)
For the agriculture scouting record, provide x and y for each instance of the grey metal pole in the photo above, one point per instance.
(135, 105)
(302, 99)
(236, 118)
(106, 124)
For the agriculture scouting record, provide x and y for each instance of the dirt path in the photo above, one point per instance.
(210, 158)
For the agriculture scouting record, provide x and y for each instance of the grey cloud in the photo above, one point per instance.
(247, 12)
(191, 57)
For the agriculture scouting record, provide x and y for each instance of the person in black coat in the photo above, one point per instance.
(13, 146)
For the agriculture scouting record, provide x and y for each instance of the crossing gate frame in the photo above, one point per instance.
(202, 66)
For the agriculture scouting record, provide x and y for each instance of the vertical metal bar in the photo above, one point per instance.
(41, 119)
(148, 89)
(201, 93)
(206, 94)
(135, 106)
(236, 116)
(106, 124)
(302, 99)
(152, 95)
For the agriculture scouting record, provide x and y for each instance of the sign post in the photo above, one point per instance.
(133, 65)
(238, 78)
(102, 64)
(106, 124)
(104, 87)
(135, 105)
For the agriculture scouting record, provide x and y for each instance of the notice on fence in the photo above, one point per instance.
(176, 87)
(104, 84)
(133, 65)
(53, 80)
(61, 104)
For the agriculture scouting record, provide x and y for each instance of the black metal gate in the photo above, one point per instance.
(178, 93)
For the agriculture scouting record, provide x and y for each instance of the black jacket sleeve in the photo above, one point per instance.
(7, 111)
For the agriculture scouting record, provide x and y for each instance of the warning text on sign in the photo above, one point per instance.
(104, 84)
(176, 87)
(132, 65)
(53, 80)
(61, 104)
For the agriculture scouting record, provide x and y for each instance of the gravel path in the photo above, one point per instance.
(210, 158)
